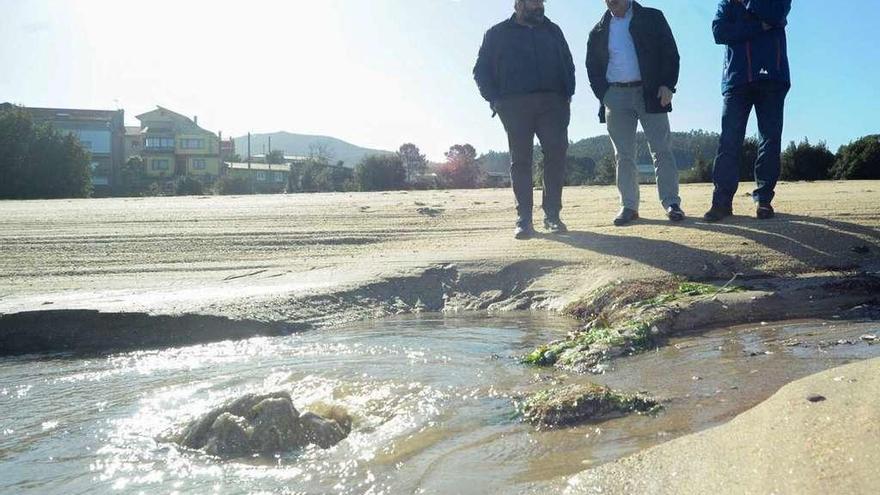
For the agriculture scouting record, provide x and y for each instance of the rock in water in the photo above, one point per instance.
(262, 424)
(574, 404)
(228, 437)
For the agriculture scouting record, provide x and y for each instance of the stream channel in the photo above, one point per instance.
(432, 399)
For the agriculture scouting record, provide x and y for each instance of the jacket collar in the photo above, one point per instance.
(606, 19)
(547, 22)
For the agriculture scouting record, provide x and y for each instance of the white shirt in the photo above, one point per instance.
(623, 61)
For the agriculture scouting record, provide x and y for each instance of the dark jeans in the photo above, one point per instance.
(768, 98)
(545, 115)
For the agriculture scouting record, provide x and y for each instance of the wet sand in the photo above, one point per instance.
(295, 262)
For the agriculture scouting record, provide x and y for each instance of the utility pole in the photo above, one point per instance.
(249, 151)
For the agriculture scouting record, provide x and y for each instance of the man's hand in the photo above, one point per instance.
(665, 95)
(765, 26)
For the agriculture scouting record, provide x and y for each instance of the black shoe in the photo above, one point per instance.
(718, 213)
(626, 216)
(555, 226)
(765, 212)
(524, 231)
(675, 213)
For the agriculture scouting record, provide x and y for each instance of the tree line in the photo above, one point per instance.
(37, 161)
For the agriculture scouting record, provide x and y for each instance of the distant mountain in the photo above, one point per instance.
(305, 145)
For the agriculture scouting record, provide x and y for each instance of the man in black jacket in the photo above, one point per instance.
(633, 64)
(526, 73)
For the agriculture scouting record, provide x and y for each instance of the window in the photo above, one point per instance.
(156, 142)
(159, 165)
(199, 164)
(261, 176)
(278, 176)
(192, 144)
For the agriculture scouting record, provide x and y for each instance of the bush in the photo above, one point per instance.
(233, 186)
(804, 161)
(859, 160)
(380, 173)
(188, 186)
(701, 172)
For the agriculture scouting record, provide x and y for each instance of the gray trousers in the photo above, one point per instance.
(546, 115)
(625, 108)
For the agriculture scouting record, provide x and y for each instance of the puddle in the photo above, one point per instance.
(431, 397)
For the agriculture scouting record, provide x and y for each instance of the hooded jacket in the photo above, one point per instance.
(753, 53)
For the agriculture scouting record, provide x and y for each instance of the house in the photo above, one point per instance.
(174, 145)
(264, 177)
(100, 132)
(134, 142)
(646, 173)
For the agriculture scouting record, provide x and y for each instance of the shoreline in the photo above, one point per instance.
(187, 270)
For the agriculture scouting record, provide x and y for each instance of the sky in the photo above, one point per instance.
(379, 73)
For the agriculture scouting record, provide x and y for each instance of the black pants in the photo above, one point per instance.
(546, 115)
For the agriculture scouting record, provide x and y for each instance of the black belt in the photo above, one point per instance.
(632, 84)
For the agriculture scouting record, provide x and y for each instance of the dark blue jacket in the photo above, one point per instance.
(516, 59)
(753, 54)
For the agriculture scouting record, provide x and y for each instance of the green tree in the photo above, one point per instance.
(804, 161)
(606, 171)
(380, 173)
(37, 161)
(413, 160)
(461, 170)
(275, 157)
(858, 160)
(700, 172)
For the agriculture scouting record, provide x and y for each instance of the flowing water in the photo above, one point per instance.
(431, 398)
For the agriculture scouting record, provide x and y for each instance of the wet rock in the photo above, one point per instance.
(262, 424)
(574, 404)
(869, 338)
(228, 437)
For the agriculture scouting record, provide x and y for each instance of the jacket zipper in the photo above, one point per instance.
(535, 53)
(749, 58)
(778, 54)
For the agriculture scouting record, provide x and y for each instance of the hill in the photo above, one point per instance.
(306, 145)
(687, 146)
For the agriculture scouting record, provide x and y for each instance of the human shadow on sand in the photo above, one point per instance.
(819, 244)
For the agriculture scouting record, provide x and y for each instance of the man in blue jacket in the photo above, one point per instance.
(756, 74)
(526, 73)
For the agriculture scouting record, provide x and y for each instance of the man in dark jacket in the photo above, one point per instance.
(633, 64)
(526, 73)
(756, 74)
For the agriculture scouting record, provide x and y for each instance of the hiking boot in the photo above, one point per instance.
(718, 213)
(765, 212)
(675, 213)
(625, 217)
(555, 226)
